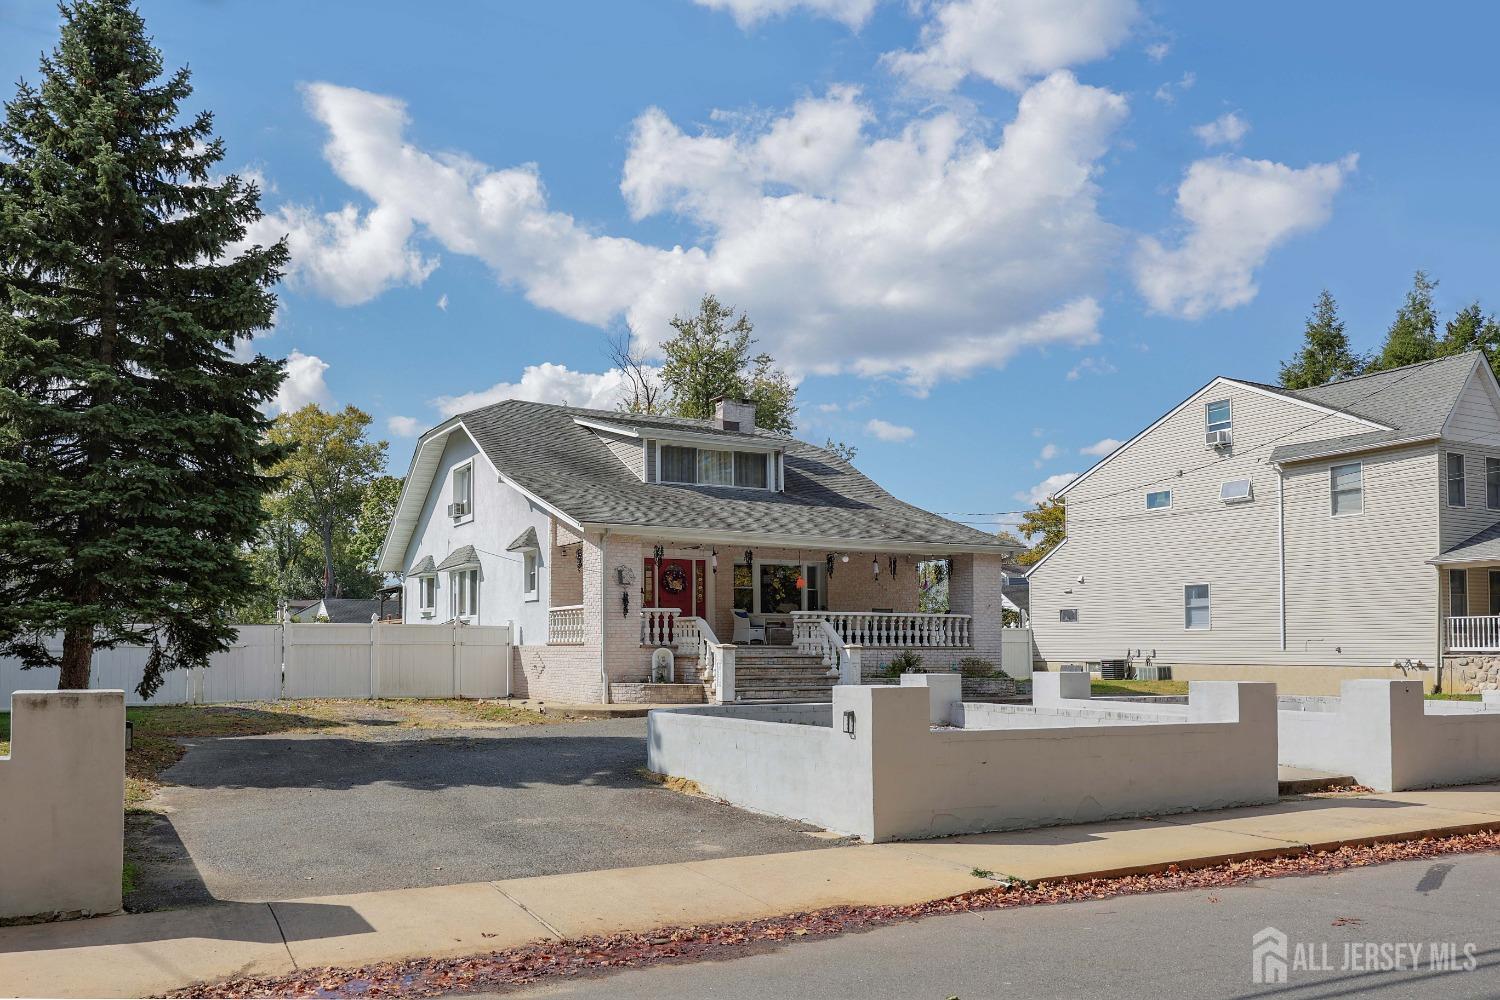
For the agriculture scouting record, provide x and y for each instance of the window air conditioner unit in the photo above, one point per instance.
(457, 509)
(1217, 439)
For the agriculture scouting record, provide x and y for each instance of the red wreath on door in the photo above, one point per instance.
(674, 580)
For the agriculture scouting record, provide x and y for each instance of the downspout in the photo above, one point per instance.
(1281, 551)
(604, 611)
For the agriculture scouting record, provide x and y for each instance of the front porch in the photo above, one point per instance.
(794, 622)
(1470, 599)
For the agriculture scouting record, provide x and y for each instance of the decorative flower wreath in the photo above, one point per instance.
(674, 580)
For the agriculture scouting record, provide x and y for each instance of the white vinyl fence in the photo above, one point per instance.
(397, 661)
(318, 661)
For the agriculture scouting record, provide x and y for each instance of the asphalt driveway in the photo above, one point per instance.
(283, 816)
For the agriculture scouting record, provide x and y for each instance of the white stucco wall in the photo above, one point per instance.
(500, 515)
(1388, 737)
(62, 804)
(895, 778)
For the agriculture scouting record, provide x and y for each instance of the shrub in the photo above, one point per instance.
(905, 662)
(974, 666)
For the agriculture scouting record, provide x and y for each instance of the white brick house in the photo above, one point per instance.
(603, 536)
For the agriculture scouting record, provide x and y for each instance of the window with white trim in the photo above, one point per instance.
(1455, 480)
(463, 491)
(710, 467)
(1196, 613)
(427, 595)
(1236, 491)
(1159, 500)
(1492, 483)
(529, 575)
(464, 591)
(1218, 416)
(1346, 488)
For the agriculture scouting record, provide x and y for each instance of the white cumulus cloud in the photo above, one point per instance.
(1010, 42)
(886, 431)
(304, 383)
(1226, 130)
(748, 13)
(1044, 489)
(404, 426)
(1048, 453)
(1102, 447)
(1236, 212)
(838, 237)
(546, 383)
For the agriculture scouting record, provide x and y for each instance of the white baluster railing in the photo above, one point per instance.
(565, 625)
(903, 630)
(656, 626)
(1473, 633)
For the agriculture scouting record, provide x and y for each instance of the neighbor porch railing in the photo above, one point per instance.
(899, 629)
(1472, 633)
(565, 625)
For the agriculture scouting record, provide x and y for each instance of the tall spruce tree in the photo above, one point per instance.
(1472, 330)
(130, 436)
(1325, 355)
(1413, 336)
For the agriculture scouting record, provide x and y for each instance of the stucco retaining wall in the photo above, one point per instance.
(1388, 737)
(881, 771)
(62, 808)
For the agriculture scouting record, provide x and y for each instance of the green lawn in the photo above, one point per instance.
(1450, 696)
(1099, 688)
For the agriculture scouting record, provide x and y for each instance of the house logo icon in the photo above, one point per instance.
(1268, 956)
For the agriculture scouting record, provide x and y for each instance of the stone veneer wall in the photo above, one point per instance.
(1471, 673)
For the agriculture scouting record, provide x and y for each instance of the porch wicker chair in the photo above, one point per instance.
(746, 633)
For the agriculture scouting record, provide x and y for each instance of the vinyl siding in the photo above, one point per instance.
(1473, 431)
(1359, 591)
(630, 452)
(1135, 563)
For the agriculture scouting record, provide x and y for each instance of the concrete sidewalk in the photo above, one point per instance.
(145, 954)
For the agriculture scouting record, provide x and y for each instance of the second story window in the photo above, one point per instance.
(710, 467)
(1455, 480)
(1347, 487)
(1492, 483)
(1218, 416)
(463, 491)
(1160, 500)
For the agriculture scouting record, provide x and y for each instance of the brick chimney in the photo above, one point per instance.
(734, 415)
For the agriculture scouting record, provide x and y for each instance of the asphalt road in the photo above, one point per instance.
(277, 817)
(1193, 944)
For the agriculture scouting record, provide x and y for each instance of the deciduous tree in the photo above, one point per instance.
(709, 356)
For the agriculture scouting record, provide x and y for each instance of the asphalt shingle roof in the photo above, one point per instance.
(1414, 401)
(350, 610)
(1481, 547)
(464, 555)
(542, 448)
(424, 566)
(525, 540)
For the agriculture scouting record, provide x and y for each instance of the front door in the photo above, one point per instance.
(678, 583)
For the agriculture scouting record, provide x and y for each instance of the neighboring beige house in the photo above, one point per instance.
(603, 537)
(1305, 537)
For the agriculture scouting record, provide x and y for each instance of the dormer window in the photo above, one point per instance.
(711, 467)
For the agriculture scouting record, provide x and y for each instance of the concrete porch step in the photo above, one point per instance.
(787, 697)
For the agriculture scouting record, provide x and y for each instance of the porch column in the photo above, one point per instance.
(974, 589)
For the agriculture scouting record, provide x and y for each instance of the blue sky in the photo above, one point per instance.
(986, 237)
